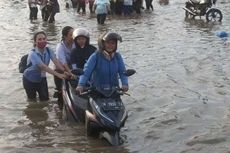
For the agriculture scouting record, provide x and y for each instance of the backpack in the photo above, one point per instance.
(22, 66)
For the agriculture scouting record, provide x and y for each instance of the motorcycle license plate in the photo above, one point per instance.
(111, 106)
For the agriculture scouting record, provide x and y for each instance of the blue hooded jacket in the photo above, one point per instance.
(104, 73)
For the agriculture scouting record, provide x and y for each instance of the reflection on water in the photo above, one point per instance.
(38, 120)
(202, 24)
(163, 2)
(46, 133)
(36, 113)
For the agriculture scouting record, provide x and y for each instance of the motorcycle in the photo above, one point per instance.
(102, 111)
(200, 8)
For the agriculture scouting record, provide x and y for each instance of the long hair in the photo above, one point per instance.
(65, 31)
(36, 34)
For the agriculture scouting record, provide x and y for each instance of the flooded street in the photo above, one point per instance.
(180, 95)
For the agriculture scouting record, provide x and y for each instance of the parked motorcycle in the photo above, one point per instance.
(200, 8)
(102, 111)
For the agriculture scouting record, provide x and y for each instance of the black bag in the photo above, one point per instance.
(22, 66)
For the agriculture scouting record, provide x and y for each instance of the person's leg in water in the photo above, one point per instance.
(99, 18)
(130, 9)
(137, 6)
(151, 5)
(112, 7)
(74, 3)
(103, 18)
(31, 14)
(52, 17)
(43, 90)
(78, 7)
(127, 10)
(147, 3)
(35, 13)
(58, 92)
(30, 89)
(45, 14)
(83, 8)
(91, 6)
(50, 14)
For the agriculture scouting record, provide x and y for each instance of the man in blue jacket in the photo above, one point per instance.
(105, 66)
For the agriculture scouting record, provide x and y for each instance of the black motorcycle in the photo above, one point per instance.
(200, 8)
(102, 111)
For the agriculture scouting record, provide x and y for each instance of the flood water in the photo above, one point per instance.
(180, 95)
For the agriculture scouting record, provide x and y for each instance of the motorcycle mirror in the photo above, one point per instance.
(129, 72)
(77, 71)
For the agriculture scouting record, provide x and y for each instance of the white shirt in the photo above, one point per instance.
(32, 3)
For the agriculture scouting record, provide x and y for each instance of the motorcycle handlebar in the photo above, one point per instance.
(87, 91)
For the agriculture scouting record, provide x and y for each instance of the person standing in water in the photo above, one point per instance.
(33, 9)
(63, 51)
(34, 77)
(43, 8)
(91, 2)
(52, 8)
(101, 8)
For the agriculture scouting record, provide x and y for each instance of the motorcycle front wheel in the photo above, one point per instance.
(214, 15)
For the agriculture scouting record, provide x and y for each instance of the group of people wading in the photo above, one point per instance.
(103, 66)
(101, 8)
(117, 7)
(48, 8)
